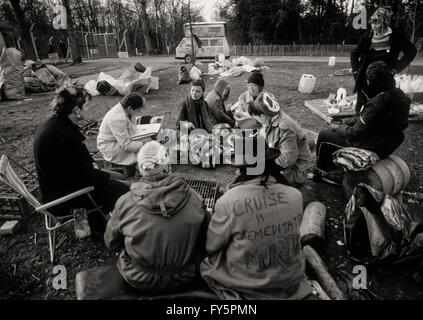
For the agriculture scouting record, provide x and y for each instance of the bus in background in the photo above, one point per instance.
(212, 41)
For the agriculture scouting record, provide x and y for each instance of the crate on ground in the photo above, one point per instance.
(12, 204)
(87, 125)
(207, 189)
(103, 164)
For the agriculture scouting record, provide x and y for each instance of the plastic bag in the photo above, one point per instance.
(91, 88)
(241, 61)
(378, 227)
(195, 73)
(13, 83)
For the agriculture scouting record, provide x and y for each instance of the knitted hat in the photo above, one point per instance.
(200, 83)
(383, 13)
(265, 104)
(153, 161)
(379, 72)
(257, 78)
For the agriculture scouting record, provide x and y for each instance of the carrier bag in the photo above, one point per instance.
(378, 228)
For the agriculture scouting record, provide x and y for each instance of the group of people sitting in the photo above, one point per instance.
(250, 247)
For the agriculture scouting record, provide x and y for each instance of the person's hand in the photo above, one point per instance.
(334, 126)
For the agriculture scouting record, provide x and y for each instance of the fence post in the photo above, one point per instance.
(86, 45)
(105, 42)
(33, 41)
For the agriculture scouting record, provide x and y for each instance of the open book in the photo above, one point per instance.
(146, 130)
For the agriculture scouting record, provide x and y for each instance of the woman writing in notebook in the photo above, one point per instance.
(118, 126)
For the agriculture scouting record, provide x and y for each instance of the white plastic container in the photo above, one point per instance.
(307, 83)
(332, 61)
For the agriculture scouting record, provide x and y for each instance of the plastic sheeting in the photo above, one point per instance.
(378, 227)
(13, 79)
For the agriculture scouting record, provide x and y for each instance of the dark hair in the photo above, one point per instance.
(68, 98)
(379, 72)
(199, 83)
(134, 100)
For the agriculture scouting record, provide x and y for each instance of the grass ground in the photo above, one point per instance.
(25, 271)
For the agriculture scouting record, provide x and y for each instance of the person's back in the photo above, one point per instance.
(159, 229)
(254, 239)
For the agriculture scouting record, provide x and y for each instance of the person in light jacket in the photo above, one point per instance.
(253, 241)
(285, 134)
(158, 227)
(216, 101)
(118, 125)
(242, 117)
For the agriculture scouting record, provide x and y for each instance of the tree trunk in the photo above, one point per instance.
(300, 34)
(144, 26)
(23, 26)
(76, 54)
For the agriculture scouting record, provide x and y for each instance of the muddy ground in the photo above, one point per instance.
(25, 270)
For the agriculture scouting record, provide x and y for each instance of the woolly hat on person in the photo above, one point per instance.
(382, 13)
(265, 104)
(379, 72)
(153, 161)
(200, 83)
(256, 78)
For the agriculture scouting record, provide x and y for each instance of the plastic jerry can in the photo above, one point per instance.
(332, 61)
(307, 83)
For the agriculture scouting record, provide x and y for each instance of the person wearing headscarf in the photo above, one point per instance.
(216, 101)
(378, 127)
(380, 44)
(194, 111)
(158, 227)
(285, 134)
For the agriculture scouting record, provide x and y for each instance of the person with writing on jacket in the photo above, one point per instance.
(253, 241)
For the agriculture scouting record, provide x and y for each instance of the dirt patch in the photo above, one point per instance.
(25, 271)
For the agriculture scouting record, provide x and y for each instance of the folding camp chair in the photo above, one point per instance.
(9, 177)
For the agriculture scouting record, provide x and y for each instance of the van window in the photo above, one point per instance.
(216, 42)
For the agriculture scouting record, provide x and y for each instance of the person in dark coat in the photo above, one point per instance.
(216, 101)
(194, 110)
(63, 163)
(378, 127)
(380, 44)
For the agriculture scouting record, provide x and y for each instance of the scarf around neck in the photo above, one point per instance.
(198, 114)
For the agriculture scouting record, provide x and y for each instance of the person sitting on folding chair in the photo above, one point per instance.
(64, 164)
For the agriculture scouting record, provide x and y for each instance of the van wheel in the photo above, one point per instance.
(188, 58)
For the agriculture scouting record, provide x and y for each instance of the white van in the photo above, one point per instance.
(213, 41)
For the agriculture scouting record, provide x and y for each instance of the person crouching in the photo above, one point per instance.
(159, 226)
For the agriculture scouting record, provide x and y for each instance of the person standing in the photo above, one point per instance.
(380, 44)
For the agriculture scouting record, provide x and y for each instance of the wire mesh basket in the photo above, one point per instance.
(207, 189)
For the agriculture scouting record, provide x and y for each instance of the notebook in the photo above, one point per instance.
(146, 130)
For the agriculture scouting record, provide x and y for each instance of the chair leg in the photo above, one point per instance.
(51, 241)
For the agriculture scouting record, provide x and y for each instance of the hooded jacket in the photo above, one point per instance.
(216, 104)
(159, 229)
